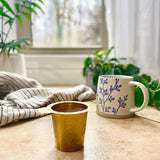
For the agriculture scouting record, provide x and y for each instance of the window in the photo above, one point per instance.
(67, 26)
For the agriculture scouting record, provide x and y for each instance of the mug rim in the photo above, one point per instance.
(117, 76)
(68, 113)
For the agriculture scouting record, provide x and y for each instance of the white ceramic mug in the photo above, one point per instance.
(115, 96)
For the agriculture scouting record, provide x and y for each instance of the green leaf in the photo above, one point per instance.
(27, 16)
(12, 46)
(19, 20)
(156, 99)
(146, 77)
(15, 45)
(84, 71)
(121, 65)
(41, 1)
(105, 66)
(139, 98)
(7, 6)
(97, 61)
(154, 84)
(30, 9)
(109, 51)
(117, 71)
(109, 71)
(145, 82)
(100, 53)
(95, 79)
(4, 14)
(110, 66)
(151, 95)
(1, 8)
(10, 21)
(17, 6)
(35, 5)
(114, 59)
(137, 78)
(131, 69)
(88, 61)
(123, 59)
(2, 45)
(98, 70)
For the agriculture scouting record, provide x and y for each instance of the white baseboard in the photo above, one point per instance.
(55, 69)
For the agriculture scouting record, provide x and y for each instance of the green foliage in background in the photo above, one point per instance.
(100, 64)
(9, 15)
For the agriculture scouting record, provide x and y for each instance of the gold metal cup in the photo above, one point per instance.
(69, 123)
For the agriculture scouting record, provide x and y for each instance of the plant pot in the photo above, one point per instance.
(89, 81)
(14, 63)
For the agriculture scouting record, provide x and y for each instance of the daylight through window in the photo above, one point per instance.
(68, 23)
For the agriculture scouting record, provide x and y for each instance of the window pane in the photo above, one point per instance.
(68, 23)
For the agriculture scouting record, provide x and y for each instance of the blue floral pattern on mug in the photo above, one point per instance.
(122, 104)
(107, 96)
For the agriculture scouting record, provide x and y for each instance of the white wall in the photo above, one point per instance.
(55, 69)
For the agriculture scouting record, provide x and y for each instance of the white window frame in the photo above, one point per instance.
(26, 32)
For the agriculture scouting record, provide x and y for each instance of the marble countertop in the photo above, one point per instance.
(105, 139)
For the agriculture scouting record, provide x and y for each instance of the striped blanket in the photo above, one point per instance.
(20, 97)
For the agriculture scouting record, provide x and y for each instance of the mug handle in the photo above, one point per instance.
(145, 93)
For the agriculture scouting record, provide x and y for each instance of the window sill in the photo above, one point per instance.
(56, 69)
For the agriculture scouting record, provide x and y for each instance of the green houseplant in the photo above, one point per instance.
(101, 64)
(8, 16)
(10, 61)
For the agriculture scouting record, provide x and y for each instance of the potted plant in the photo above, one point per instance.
(101, 64)
(9, 48)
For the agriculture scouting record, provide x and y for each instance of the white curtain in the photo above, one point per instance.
(134, 30)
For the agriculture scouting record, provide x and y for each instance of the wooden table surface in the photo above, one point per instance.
(105, 139)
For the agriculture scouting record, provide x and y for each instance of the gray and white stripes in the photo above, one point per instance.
(10, 82)
(21, 97)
